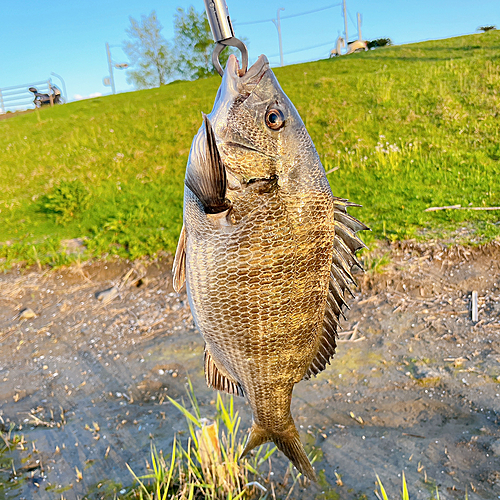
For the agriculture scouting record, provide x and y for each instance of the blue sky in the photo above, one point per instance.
(69, 37)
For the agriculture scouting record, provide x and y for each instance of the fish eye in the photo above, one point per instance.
(275, 119)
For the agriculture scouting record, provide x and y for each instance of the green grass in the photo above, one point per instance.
(410, 127)
(9, 441)
(208, 465)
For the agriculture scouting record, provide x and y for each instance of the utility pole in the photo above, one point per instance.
(345, 26)
(277, 23)
(359, 28)
(110, 66)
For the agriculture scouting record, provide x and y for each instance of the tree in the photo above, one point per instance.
(194, 44)
(487, 28)
(149, 53)
(379, 42)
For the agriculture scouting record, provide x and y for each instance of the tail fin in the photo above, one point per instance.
(287, 441)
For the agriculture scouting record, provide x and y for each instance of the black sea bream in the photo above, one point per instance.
(266, 252)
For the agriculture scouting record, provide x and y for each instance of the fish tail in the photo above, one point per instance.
(287, 441)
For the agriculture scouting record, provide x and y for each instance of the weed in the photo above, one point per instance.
(429, 381)
(382, 495)
(65, 201)
(9, 441)
(376, 264)
(208, 465)
(405, 495)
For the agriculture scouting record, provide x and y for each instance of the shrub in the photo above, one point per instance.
(66, 200)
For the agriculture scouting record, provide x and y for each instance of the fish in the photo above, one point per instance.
(266, 252)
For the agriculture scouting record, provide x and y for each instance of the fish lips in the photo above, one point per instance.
(248, 81)
(244, 83)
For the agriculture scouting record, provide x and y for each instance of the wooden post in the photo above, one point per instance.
(474, 307)
(50, 93)
(2, 106)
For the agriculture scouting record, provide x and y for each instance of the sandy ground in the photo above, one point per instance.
(415, 386)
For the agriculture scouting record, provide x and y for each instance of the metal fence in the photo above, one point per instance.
(18, 97)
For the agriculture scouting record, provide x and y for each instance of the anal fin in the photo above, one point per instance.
(179, 267)
(218, 380)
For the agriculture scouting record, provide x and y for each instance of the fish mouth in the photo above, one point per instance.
(246, 82)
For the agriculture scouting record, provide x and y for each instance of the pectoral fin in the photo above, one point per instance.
(206, 174)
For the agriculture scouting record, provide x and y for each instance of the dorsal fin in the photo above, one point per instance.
(179, 267)
(350, 221)
(205, 173)
(346, 243)
(217, 379)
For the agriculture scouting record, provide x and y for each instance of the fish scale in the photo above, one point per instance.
(267, 256)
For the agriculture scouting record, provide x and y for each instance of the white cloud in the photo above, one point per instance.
(78, 97)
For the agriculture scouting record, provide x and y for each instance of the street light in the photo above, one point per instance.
(110, 80)
(63, 85)
(277, 23)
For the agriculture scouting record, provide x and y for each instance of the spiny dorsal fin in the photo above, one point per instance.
(337, 274)
(349, 236)
(339, 261)
(350, 221)
(206, 174)
(218, 380)
(179, 267)
(346, 243)
(346, 253)
(342, 204)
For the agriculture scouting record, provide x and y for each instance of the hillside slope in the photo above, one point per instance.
(408, 127)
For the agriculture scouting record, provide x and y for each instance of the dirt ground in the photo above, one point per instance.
(415, 386)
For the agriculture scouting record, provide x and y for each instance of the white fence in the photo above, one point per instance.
(19, 97)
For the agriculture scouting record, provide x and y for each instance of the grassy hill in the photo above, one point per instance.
(409, 127)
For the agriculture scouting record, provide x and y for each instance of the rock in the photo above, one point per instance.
(178, 305)
(107, 295)
(64, 306)
(495, 447)
(27, 313)
(75, 245)
(423, 372)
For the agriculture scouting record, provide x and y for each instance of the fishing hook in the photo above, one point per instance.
(223, 33)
